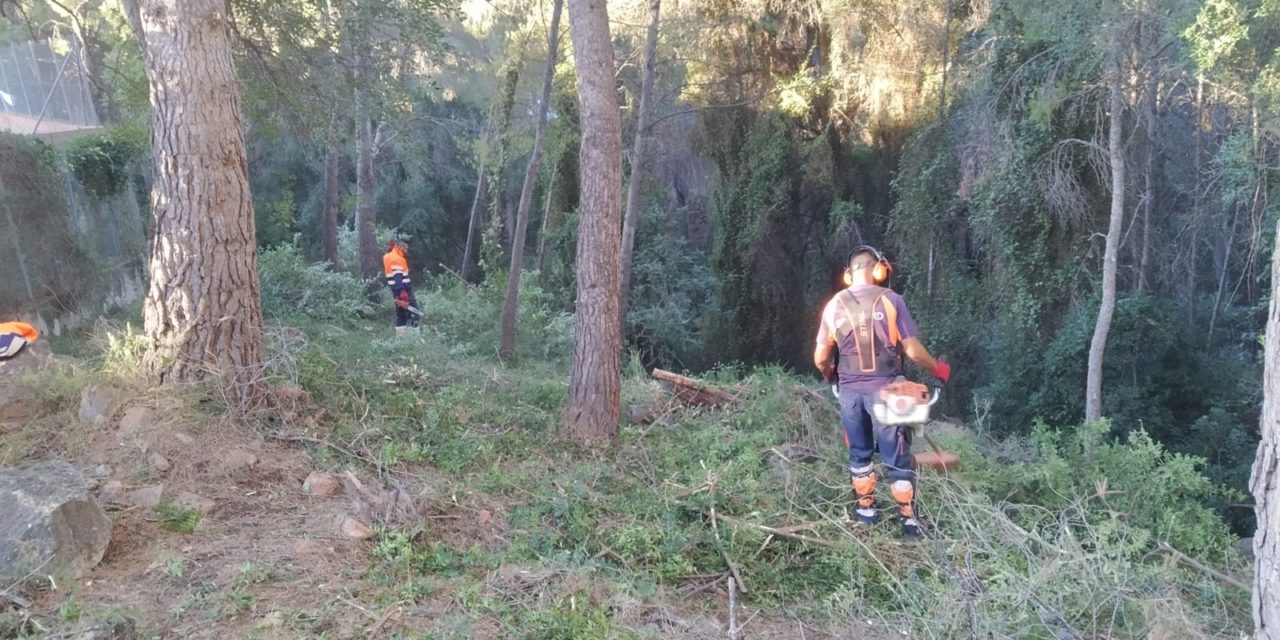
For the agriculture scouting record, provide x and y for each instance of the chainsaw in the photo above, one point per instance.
(408, 307)
(906, 404)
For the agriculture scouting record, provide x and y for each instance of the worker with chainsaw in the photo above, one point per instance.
(864, 332)
(14, 336)
(395, 265)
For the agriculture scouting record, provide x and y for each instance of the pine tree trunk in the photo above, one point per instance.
(202, 312)
(637, 164)
(591, 415)
(510, 305)
(366, 213)
(329, 218)
(1265, 480)
(1097, 347)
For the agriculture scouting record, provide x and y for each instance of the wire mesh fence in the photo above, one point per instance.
(43, 91)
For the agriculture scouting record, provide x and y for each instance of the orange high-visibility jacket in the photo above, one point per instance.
(396, 268)
(14, 336)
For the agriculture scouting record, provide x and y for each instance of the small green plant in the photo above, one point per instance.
(178, 518)
(172, 566)
(69, 610)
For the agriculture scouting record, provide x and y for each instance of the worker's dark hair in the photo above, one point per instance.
(866, 251)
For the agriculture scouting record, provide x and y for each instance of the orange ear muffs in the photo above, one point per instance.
(880, 271)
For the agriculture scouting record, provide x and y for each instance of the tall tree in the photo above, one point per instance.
(591, 415)
(632, 215)
(510, 306)
(1265, 479)
(1116, 151)
(331, 204)
(202, 312)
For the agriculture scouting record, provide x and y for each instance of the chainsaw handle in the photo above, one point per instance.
(937, 392)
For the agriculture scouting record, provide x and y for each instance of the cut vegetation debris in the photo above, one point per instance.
(442, 506)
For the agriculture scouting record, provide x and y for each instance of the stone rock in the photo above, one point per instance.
(111, 491)
(136, 419)
(237, 460)
(183, 439)
(146, 497)
(98, 403)
(51, 525)
(158, 462)
(321, 484)
(89, 629)
(17, 404)
(355, 529)
(188, 500)
(1245, 545)
(20, 402)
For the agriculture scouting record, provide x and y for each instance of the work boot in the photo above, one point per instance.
(864, 492)
(904, 494)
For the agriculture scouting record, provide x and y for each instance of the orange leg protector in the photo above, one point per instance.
(904, 493)
(864, 490)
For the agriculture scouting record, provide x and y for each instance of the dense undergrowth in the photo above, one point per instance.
(1067, 529)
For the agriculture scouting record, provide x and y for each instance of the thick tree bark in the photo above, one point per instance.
(632, 216)
(591, 415)
(202, 311)
(329, 217)
(1115, 147)
(1265, 480)
(510, 306)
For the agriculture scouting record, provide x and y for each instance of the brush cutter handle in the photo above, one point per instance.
(937, 392)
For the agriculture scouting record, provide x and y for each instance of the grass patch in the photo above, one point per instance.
(177, 518)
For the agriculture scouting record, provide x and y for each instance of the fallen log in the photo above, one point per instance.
(690, 391)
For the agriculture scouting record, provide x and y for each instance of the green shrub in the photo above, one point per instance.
(468, 317)
(101, 162)
(291, 287)
(1134, 485)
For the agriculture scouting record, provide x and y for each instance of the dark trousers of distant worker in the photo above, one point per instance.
(865, 435)
(405, 317)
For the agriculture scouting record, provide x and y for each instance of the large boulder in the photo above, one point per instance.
(51, 525)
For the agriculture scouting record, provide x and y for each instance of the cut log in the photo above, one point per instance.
(690, 391)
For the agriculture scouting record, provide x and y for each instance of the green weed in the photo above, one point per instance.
(177, 518)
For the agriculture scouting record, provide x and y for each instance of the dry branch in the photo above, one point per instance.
(783, 533)
(1206, 569)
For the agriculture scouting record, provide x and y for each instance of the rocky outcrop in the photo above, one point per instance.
(51, 525)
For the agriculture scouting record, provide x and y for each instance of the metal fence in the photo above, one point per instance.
(42, 90)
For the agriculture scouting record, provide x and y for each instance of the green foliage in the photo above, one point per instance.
(291, 286)
(469, 317)
(672, 290)
(1135, 489)
(276, 221)
(39, 243)
(178, 518)
(102, 162)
